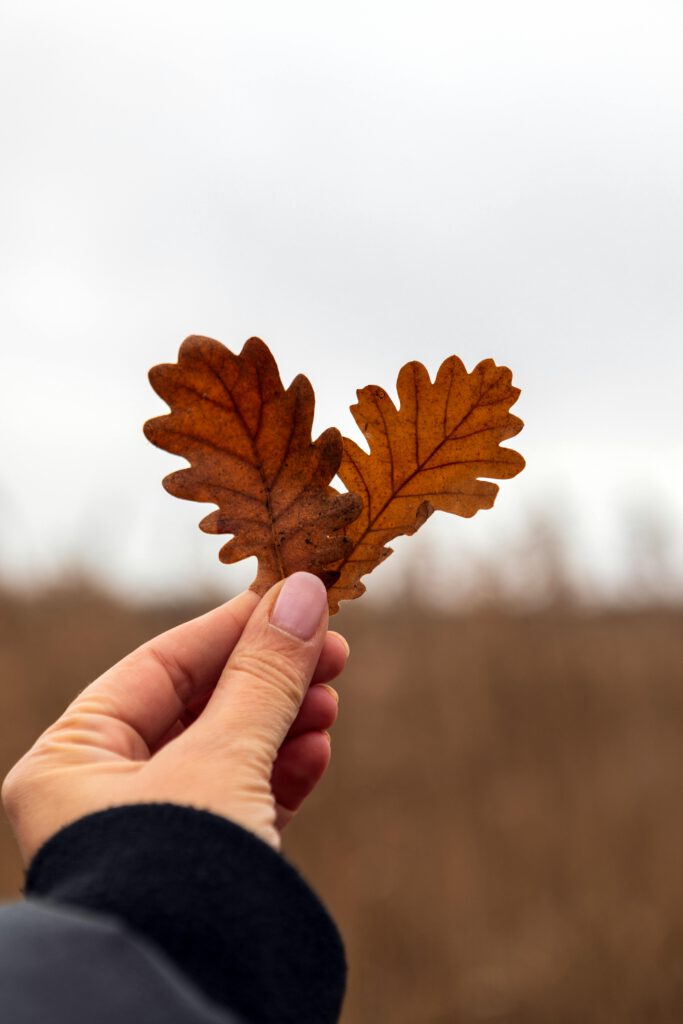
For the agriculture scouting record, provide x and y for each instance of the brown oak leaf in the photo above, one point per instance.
(248, 442)
(428, 454)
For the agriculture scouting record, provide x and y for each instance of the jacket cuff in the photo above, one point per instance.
(229, 910)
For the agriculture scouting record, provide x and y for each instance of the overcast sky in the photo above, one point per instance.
(359, 184)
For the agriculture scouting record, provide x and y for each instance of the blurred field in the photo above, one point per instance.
(500, 836)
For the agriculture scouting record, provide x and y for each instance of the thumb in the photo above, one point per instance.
(266, 677)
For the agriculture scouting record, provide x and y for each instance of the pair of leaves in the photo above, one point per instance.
(248, 442)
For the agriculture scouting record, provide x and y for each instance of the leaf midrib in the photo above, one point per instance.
(257, 458)
(418, 469)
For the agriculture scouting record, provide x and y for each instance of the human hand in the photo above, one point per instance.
(216, 714)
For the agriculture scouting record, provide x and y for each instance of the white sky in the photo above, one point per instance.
(359, 184)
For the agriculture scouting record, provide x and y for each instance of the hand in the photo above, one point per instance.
(216, 714)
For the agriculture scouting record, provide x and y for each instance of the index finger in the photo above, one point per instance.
(150, 688)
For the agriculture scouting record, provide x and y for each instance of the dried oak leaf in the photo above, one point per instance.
(248, 442)
(428, 454)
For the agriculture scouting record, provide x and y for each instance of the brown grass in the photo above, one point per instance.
(500, 835)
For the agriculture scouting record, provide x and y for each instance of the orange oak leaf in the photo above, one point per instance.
(428, 454)
(248, 442)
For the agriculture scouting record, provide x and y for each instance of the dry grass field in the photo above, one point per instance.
(500, 836)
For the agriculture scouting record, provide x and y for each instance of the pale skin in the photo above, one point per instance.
(228, 713)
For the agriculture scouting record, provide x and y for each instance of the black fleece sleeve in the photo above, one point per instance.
(231, 913)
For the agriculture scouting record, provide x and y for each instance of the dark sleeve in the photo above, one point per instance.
(217, 904)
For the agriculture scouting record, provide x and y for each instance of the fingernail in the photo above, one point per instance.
(327, 736)
(343, 640)
(300, 605)
(331, 689)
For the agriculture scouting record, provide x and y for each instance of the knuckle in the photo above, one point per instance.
(274, 672)
(179, 674)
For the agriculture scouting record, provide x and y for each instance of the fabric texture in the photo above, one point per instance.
(228, 911)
